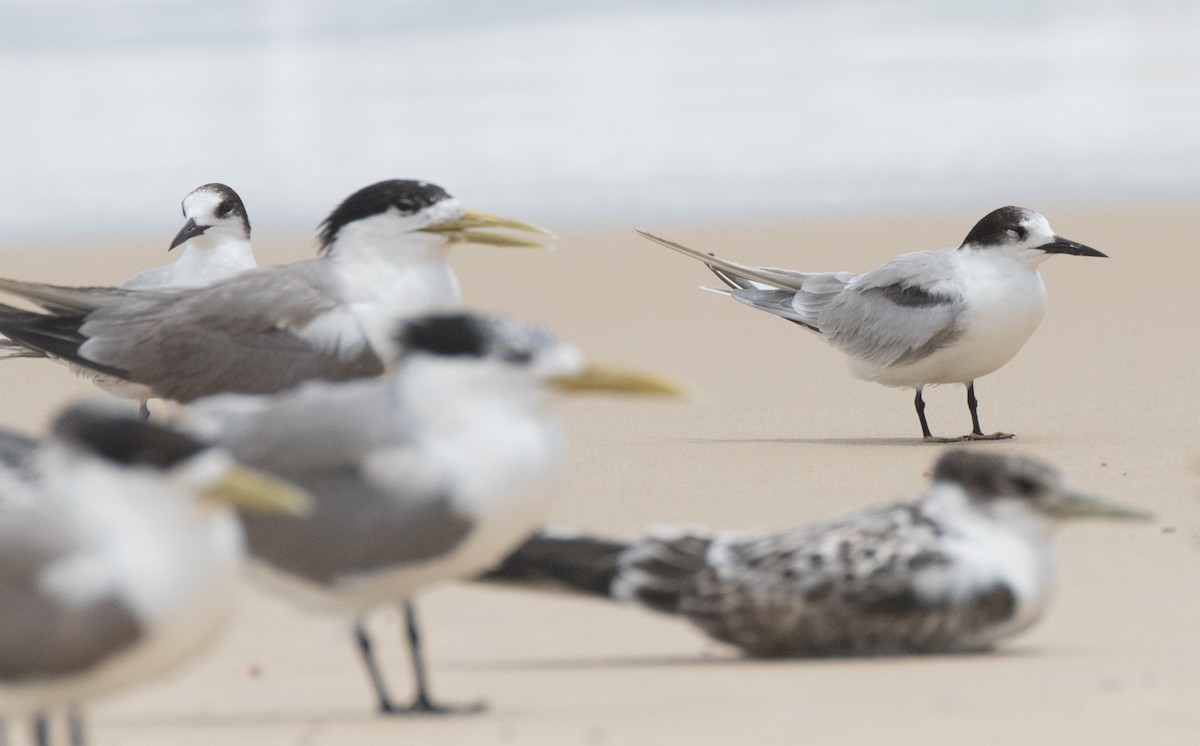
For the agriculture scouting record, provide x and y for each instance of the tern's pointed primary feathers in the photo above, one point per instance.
(926, 317)
(966, 565)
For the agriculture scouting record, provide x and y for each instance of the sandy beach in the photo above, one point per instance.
(777, 435)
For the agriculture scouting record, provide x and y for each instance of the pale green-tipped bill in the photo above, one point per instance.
(1079, 505)
(254, 491)
(606, 378)
(467, 229)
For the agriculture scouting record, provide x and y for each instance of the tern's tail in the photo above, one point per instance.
(561, 561)
(657, 571)
(48, 335)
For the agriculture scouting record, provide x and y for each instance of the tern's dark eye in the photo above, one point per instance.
(517, 356)
(1024, 486)
(225, 208)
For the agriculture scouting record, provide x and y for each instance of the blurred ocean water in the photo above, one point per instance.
(590, 112)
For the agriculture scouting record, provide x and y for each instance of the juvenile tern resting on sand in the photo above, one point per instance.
(382, 258)
(118, 554)
(971, 562)
(431, 473)
(927, 317)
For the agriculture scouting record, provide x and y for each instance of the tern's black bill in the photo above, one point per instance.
(1062, 245)
(189, 231)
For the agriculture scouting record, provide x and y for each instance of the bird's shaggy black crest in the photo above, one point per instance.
(993, 228)
(406, 196)
(446, 334)
(121, 438)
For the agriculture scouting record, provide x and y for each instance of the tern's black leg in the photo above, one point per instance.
(41, 729)
(920, 404)
(976, 431)
(75, 726)
(422, 703)
(973, 405)
(386, 706)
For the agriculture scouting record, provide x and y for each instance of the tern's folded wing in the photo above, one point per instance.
(247, 335)
(899, 313)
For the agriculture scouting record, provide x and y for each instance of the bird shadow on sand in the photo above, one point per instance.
(813, 441)
(731, 659)
(264, 718)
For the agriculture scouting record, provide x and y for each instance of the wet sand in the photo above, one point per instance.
(778, 434)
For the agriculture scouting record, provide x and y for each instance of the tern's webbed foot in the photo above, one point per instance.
(969, 437)
(425, 706)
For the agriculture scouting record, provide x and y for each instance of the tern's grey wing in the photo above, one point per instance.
(314, 426)
(245, 335)
(375, 507)
(834, 589)
(898, 313)
(358, 526)
(43, 635)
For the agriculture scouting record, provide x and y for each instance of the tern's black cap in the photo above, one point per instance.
(122, 438)
(403, 195)
(993, 229)
(471, 335)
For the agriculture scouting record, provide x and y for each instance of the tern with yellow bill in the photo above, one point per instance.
(430, 473)
(383, 257)
(119, 552)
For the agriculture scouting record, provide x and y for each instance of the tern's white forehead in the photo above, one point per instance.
(203, 203)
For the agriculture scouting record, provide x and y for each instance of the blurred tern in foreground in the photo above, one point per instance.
(968, 564)
(382, 258)
(433, 472)
(216, 245)
(928, 317)
(118, 555)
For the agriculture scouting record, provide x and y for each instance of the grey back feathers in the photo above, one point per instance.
(239, 335)
(357, 527)
(884, 318)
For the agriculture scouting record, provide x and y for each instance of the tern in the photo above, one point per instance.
(433, 472)
(216, 245)
(215, 238)
(119, 552)
(927, 317)
(968, 564)
(382, 257)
